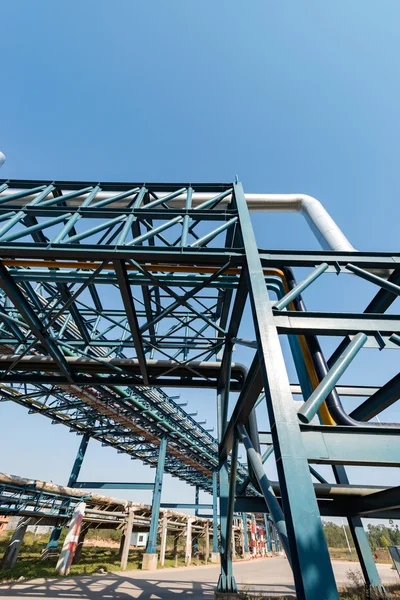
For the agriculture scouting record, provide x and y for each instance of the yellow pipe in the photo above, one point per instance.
(323, 412)
(89, 265)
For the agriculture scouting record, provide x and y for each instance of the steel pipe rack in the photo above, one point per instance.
(112, 291)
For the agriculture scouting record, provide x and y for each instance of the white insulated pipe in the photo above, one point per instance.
(327, 232)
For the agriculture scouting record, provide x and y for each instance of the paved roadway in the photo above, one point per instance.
(271, 575)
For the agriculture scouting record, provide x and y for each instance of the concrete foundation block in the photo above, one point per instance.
(226, 595)
(246, 555)
(149, 562)
(215, 557)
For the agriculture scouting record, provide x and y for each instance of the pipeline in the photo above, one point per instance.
(327, 232)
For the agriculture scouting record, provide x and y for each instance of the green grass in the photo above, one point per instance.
(29, 564)
(382, 555)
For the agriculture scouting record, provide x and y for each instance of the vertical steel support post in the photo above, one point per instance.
(268, 534)
(246, 552)
(127, 539)
(196, 500)
(312, 569)
(267, 491)
(164, 533)
(215, 550)
(73, 478)
(226, 582)
(52, 544)
(207, 540)
(150, 554)
(11, 554)
(71, 541)
(276, 539)
(188, 547)
(364, 553)
(82, 535)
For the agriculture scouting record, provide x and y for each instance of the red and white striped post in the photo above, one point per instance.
(71, 541)
(253, 542)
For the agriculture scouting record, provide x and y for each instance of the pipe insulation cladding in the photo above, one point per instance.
(327, 232)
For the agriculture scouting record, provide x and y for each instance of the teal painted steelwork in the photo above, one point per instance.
(268, 538)
(387, 395)
(364, 553)
(312, 569)
(76, 469)
(30, 502)
(52, 544)
(313, 404)
(341, 445)
(215, 511)
(395, 339)
(287, 299)
(113, 485)
(276, 539)
(180, 505)
(151, 547)
(382, 283)
(245, 533)
(266, 489)
(226, 582)
(124, 230)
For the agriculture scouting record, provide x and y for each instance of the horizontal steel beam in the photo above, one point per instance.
(202, 256)
(185, 505)
(328, 508)
(113, 485)
(380, 501)
(342, 445)
(208, 372)
(319, 323)
(363, 391)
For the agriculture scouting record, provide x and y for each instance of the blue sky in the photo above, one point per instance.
(293, 96)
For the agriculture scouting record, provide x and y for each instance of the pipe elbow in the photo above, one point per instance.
(324, 227)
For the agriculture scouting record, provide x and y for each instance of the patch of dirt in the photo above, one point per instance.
(101, 543)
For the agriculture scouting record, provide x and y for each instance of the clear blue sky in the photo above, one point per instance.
(293, 96)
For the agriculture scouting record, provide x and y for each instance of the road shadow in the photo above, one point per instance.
(122, 587)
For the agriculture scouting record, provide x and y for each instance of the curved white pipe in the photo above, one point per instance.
(327, 232)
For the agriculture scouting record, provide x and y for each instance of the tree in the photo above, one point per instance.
(384, 541)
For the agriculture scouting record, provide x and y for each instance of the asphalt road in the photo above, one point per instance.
(271, 575)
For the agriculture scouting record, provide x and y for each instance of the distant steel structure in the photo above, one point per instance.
(111, 292)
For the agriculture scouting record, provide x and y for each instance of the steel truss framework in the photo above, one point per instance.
(111, 292)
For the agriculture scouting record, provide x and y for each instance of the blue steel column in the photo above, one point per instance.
(276, 539)
(215, 512)
(367, 563)
(268, 534)
(196, 499)
(76, 469)
(151, 547)
(312, 567)
(245, 534)
(52, 544)
(226, 582)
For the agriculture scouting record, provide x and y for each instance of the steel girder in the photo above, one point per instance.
(99, 280)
